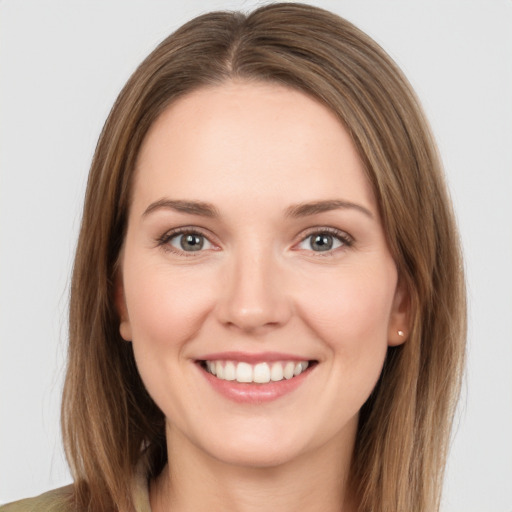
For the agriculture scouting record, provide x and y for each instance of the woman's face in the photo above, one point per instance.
(256, 283)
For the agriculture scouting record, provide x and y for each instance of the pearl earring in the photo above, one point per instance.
(401, 333)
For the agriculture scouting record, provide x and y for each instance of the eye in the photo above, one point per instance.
(186, 241)
(325, 241)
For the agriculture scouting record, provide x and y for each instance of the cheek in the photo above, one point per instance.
(355, 303)
(351, 313)
(165, 307)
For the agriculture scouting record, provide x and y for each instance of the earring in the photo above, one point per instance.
(401, 333)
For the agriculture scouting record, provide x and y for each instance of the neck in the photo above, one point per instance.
(315, 481)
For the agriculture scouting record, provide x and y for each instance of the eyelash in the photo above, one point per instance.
(344, 238)
(164, 240)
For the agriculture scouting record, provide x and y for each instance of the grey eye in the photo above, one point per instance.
(321, 242)
(190, 242)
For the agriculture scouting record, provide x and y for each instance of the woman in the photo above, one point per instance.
(267, 302)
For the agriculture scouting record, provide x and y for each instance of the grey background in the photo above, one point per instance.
(62, 64)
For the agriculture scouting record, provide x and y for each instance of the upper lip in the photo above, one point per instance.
(252, 358)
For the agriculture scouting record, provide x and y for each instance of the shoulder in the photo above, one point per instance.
(57, 500)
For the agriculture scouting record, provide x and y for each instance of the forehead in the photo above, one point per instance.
(254, 139)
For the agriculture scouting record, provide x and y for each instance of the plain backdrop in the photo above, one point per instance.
(62, 63)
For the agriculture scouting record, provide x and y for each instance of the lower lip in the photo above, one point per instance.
(255, 393)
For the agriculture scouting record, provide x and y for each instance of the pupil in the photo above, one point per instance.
(191, 242)
(322, 242)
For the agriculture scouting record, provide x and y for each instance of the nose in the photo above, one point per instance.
(254, 296)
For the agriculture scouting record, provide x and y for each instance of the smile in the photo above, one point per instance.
(260, 373)
(255, 378)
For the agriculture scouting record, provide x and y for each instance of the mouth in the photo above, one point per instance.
(262, 372)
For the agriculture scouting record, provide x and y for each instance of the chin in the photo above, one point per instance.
(263, 443)
(252, 443)
(257, 455)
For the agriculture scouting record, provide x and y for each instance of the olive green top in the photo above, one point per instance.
(52, 501)
(58, 499)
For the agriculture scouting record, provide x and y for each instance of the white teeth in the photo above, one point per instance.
(260, 373)
(244, 372)
(229, 371)
(277, 372)
(288, 370)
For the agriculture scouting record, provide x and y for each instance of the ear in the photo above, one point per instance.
(398, 329)
(125, 328)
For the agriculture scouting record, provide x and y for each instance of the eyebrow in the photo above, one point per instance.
(190, 207)
(203, 209)
(306, 209)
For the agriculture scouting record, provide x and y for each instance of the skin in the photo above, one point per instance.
(254, 152)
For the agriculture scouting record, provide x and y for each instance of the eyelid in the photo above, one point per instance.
(165, 238)
(163, 241)
(346, 239)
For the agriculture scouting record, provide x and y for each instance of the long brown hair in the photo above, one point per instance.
(109, 420)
